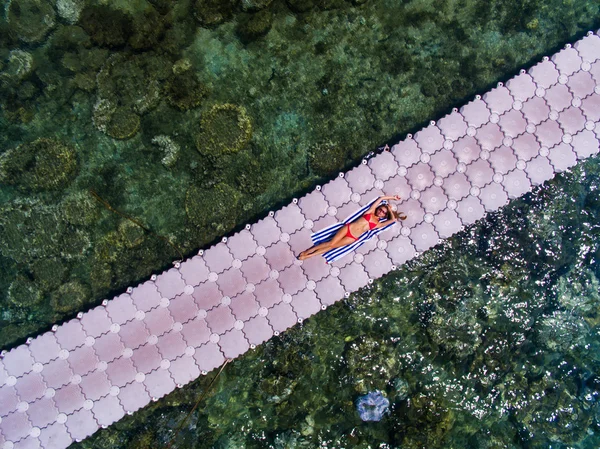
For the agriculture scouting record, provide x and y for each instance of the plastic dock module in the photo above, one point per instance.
(64, 385)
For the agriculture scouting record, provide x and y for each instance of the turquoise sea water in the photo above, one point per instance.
(195, 117)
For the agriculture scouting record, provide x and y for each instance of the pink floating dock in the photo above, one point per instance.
(64, 385)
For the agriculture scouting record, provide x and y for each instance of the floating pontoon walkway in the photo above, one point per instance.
(64, 385)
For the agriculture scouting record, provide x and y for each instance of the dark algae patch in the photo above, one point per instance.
(195, 117)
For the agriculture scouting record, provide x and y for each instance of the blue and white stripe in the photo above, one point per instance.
(327, 234)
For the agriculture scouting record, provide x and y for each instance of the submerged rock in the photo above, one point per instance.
(44, 164)
(372, 406)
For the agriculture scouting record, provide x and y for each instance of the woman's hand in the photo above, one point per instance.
(395, 197)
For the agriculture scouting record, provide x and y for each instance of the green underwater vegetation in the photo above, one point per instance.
(196, 117)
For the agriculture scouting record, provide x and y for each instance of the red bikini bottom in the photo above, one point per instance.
(348, 233)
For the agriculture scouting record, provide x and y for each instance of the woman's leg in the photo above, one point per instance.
(337, 236)
(309, 251)
(343, 242)
(339, 239)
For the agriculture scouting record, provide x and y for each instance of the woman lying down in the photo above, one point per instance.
(339, 239)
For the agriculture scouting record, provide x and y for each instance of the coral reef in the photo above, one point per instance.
(131, 234)
(70, 10)
(23, 292)
(303, 6)
(44, 164)
(255, 5)
(70, 297)
(213, 12)
(31, 20)
(48, 274)
(124, 123)
(106, 26)
(364, 353)
(326, 158)
(74, 49)
(562, 331)
(101, 278)
(372, 406)
(19, 65)
(243, 169)
(169, 148)
(181, 66)
(85, 63)
(102, 113)
(70, 38)
(215, 210)
(30, 230)
(183, 90)
(401, 389)
(80, 209)
(148, 29)
(224, 129)
(127, 87)
(427, 425)
(578, 293)
(19, 86)
(458, 332)
(255, 26)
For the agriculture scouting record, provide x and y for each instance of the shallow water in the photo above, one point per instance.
(487, 341)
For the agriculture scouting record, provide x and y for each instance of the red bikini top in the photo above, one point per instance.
(368, 218)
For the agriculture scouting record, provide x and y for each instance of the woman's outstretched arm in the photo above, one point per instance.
(378, 201)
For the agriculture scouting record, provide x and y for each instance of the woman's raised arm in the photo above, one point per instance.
(378, 201)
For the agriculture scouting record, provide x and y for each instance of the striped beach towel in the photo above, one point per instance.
(327, 233)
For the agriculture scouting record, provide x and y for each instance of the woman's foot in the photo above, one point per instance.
(306, 254)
